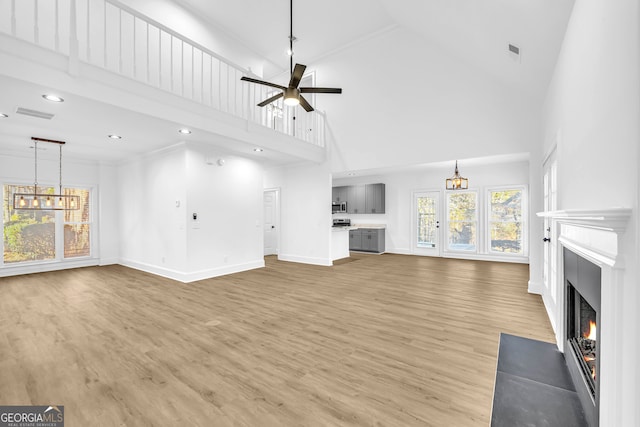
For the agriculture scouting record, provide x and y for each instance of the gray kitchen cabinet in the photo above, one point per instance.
(361, 198)
(355, 240)
(339, 194)
(367, 240)
(375, 198)
(356, 199)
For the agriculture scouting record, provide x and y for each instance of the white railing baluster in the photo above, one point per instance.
(193, 65)
(57, 28)
(36, 37)
(105, 36)
(202, 77)
(211, 80)
(171, 63)
(13, 18)
(135, 58)
(160, 58)
(74, 43)
(88, 32)
(120, 40)
(219, 85)
(148, 49)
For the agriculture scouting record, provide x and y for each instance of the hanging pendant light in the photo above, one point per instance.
(41, 201)
(457, 182)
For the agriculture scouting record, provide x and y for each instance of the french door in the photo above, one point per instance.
(426, 223)
(550, 191)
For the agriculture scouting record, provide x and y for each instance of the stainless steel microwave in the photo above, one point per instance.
(338, 207)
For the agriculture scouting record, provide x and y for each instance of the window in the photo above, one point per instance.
(462, 215)
(77, 226)
(38, 235)
(506, 221)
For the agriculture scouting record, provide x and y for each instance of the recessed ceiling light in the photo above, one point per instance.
(257, 150)
(3, 115)
(52, 98)
(185, 131)
(113, 136)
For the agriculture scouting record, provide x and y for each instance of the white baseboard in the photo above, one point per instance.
(43, 267)
(550, 307)
(188, 277)
(399, 251)
(305, 260)
(535, 288)
(108, 261)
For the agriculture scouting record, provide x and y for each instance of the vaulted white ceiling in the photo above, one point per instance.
(478, 32)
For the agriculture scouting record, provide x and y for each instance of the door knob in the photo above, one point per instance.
(546, 239)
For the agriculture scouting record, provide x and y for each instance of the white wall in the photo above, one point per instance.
(19, 169)
(159, 194)
(152, 228)
(228, 200)
(400, 187)
(593, 105)
(305, 218)
(406, 101)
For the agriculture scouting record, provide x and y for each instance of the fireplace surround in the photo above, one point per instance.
(597, 237)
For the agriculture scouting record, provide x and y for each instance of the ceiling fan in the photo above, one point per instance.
(292, 94)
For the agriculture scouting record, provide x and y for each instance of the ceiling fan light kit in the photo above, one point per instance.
(291, 93)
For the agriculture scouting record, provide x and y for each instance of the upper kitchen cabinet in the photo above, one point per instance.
(356, 203)
(339, 194)
(374, 198)
(361, 199)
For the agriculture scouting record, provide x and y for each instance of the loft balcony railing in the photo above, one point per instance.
(115, 37)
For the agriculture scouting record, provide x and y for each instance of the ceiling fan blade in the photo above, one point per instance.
(298, 71)
(305, 104)
(320, 90)
(261, 82)
(270, 100)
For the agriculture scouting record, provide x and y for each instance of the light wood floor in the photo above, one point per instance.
(381, 340)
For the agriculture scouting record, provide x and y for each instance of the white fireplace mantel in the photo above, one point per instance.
(596, 235)
(612, 219)
(593, 234)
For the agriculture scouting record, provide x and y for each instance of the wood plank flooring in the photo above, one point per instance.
(379, 340)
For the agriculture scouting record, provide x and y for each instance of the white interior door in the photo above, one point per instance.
(550, 194)
(271, 221)
(426, 223)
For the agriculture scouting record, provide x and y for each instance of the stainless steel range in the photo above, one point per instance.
(342, 222)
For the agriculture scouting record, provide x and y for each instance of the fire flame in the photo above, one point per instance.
(592, 331)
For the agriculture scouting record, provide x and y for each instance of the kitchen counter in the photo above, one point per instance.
(374, 226)
(339, 243)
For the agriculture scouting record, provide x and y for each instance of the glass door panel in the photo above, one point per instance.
(426, 227)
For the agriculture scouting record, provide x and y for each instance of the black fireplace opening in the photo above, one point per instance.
(582, 334)
(582, 315)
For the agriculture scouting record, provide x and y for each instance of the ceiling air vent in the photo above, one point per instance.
(34, 113)
(514, 49)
